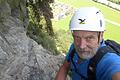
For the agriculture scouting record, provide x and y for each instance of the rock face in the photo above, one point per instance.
(21, 58)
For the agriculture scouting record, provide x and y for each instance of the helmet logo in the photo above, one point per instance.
(82, 21)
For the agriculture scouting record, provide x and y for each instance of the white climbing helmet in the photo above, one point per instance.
(87, 18)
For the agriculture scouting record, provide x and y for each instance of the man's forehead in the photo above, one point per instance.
(83, 33)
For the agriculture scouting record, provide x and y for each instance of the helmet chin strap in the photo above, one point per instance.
(99, 37)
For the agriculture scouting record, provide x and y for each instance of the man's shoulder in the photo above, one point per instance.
(111, 57)
(109, 60)
(108, 65)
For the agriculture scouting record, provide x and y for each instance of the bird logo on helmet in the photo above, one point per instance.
(82, 21)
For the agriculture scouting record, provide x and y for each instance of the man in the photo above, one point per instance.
(87, 27)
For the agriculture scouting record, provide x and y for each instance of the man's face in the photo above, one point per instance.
(86, 43)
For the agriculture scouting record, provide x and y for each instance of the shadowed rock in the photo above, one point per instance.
(21, 58)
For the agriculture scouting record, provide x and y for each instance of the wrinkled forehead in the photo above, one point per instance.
(83, 33)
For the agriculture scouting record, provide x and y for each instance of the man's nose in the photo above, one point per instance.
(82, 43)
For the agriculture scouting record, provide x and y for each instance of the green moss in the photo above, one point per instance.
(1, 1)
(14, 3)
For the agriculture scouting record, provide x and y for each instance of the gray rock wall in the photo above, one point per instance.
(21, 58)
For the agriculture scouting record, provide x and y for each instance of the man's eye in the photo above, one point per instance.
(90, 38)
(76, 37)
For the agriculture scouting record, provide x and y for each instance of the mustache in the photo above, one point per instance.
(86, 50)
(82, 50)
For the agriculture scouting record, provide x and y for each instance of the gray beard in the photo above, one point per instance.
(86, 55)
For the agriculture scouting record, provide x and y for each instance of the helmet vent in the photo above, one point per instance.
(100, 23)
(97, 12)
